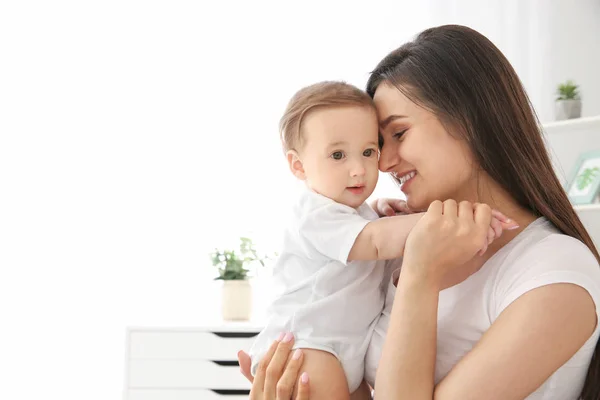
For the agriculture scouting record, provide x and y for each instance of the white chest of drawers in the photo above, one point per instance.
(187, 363)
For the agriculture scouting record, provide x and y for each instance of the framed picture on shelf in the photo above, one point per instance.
(584, 183)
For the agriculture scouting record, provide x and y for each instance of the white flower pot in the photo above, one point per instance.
(236, 300)
(567, 109)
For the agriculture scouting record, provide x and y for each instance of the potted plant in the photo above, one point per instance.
(233, 267)
(568, 102)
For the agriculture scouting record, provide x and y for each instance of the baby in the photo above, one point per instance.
(331, 267)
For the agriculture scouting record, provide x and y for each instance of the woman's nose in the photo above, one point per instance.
(388, 158)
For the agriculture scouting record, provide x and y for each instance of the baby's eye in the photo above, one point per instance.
(369, 152)
(337, 155)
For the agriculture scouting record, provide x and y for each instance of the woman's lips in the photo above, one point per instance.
(404, 186)
(405, 179)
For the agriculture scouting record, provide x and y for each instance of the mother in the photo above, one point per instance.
(521, 320)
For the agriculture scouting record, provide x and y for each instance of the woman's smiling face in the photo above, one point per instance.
(418, 151)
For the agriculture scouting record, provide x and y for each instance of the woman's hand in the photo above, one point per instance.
(276, 373)
(446, 237)
(390, 207)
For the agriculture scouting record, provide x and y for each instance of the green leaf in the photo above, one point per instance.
(232, 265)
(587, 177)
(567, 91)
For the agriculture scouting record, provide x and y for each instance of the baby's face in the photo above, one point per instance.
(340, 153)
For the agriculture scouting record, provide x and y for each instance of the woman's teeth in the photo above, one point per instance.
(406, 177)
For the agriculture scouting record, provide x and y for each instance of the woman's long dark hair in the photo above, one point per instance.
(464, 79)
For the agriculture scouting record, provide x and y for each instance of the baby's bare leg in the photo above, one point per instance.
(327, 378)
(362, 393)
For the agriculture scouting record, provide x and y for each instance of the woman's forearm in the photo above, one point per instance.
(407, 365)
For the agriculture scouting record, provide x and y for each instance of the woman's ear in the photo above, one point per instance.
(295, 164)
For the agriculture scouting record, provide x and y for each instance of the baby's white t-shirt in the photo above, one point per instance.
(538, 256)
(327, 302)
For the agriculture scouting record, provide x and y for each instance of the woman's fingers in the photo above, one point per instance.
(447, 236)
(263, 365)
(286, 384)
(245, 365)
(466, 210)
(277, 372)
(277, 363)
(488, 240)
(451, 208)
(436, 208)
(303, 387)
(483, 221)
(498, 224)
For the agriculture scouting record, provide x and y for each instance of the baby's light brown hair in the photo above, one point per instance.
(318, 95)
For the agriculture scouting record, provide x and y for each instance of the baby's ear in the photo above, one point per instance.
(295, 164)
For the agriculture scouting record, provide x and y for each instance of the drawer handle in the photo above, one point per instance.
(228, 392)
(235, 334)
(227, 363)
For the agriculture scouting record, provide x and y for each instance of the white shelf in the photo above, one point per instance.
(211, 326)
(587, 207)
(569, 125)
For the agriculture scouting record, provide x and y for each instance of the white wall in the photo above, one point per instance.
(572, 51)
(547, 41)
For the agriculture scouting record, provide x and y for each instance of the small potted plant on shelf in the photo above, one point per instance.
(233, 267)
(568, 102)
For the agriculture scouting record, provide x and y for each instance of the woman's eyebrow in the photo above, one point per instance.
(389, 119)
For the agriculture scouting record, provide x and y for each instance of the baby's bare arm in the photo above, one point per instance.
(383, 239)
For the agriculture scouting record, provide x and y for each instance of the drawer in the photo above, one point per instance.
(191, 394)
(187, 345)
(184, 374)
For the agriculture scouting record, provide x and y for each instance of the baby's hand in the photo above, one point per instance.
(390, 207)
(499, 223)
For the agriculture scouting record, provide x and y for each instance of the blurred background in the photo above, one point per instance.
(138, 136)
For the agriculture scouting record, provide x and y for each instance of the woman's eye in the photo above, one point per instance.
(337, 155)
(399, 135)
(368, 152)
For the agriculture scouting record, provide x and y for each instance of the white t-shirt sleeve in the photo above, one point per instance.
(331, 229)
(556, 259)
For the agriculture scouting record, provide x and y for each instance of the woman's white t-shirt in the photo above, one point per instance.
(538, 256)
